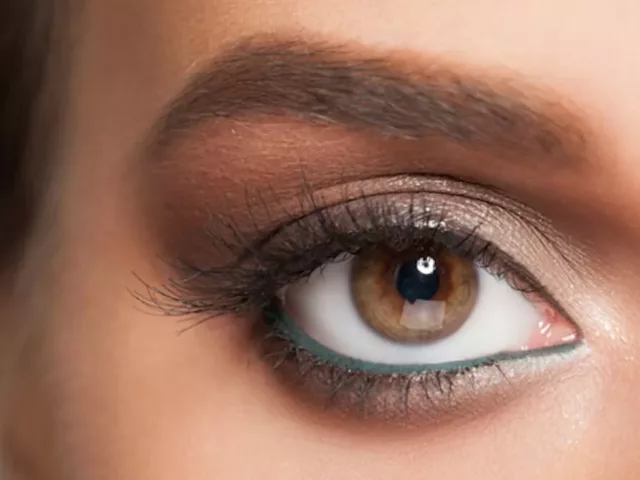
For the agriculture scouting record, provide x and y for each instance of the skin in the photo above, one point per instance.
(102, 389)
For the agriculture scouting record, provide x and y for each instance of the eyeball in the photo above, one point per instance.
(419, 308)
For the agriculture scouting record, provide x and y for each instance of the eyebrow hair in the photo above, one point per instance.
(399, 97)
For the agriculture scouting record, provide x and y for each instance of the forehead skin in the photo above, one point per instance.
(129, 401)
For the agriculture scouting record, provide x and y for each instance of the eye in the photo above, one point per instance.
(421, 310)
(397, 306)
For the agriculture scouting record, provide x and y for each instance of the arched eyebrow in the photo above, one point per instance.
(391, 94)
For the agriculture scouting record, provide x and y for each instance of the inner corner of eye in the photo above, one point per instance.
(418, 308)
(552, 329)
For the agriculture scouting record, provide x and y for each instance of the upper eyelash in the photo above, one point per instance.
(290, 253)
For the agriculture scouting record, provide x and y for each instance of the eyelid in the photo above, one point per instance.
(418, 394)
(403, 221)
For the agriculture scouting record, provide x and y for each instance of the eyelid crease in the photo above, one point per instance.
(280, 216)
(268, 218)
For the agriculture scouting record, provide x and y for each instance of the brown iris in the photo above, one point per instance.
(414, 297)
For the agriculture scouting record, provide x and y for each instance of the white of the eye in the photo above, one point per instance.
(322, 306)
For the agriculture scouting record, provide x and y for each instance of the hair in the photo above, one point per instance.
(29, 47)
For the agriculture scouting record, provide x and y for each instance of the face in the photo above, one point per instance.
(299, 239)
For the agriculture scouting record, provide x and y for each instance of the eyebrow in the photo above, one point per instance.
(390, 94)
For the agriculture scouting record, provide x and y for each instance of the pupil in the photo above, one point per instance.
(418, 279)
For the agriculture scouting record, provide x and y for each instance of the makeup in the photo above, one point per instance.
(499, 238)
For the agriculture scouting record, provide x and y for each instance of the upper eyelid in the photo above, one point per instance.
(231, 281)
(283, 215)
(242, 244)
(329, 237)
(221, 281)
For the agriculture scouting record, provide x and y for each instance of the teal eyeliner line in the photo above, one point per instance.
(287, 328)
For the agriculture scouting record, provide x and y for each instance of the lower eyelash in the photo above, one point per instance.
(358, 393)
(414, 394)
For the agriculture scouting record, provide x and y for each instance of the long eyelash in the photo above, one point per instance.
(295, 250)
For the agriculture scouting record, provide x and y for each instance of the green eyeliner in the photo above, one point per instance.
(286, 327)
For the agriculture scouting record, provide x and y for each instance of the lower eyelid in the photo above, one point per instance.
(412, 390)
(417, 398)
(297, 339)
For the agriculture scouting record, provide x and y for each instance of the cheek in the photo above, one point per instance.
(134, 398)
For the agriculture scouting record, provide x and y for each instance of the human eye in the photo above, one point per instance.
(390, 303)
(414, 311)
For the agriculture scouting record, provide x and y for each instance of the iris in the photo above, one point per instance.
(417, 296)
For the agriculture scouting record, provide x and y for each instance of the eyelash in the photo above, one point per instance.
(293, 251)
